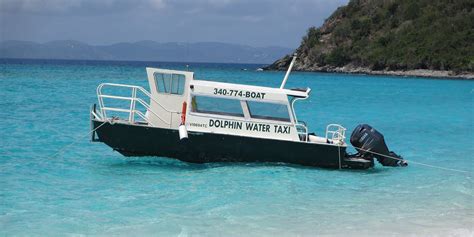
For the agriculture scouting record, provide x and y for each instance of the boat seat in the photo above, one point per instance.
(317, 139)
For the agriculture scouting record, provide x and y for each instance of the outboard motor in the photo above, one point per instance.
(371, 144)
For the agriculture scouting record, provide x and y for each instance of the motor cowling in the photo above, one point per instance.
(370, 144)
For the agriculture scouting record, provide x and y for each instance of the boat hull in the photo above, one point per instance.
(142, 140)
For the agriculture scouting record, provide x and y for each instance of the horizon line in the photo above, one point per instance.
(135, 42)
(139, 61)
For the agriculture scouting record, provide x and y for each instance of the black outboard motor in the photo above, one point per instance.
(371, 144)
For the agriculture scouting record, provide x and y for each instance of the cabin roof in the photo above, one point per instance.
(301, 93)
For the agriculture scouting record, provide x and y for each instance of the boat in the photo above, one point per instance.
(201, 121)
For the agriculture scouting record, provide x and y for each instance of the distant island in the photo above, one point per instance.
(143, 51)
(393, 37)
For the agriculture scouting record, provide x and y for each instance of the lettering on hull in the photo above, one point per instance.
(249, 126)
(225, 124)
(282, 129)
(198, 125)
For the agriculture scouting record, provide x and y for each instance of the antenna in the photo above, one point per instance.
(288, 71)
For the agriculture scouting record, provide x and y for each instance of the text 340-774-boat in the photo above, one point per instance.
(204, 121)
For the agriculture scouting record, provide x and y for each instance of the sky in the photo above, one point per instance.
(101, 22)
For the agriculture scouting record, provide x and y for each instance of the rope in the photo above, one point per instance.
(414, 162)
(78, 139)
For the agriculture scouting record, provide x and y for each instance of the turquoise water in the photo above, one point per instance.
(87, 189)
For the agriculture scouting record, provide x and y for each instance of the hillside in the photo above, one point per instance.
(143, 51)
(378, 36)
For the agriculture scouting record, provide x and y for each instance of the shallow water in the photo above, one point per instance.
(88, 189)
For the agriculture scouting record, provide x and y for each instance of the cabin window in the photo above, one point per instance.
(213, 105)
(170, 83)
(271, 111)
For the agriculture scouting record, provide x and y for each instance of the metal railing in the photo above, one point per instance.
(301, 127)
(302, 130)
(132, 109)
(336, 133)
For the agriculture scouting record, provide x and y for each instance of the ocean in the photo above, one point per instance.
(55, 182)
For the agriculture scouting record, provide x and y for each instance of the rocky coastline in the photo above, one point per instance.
(282, 65)
(397, 38)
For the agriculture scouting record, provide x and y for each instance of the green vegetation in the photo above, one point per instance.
(395, 35)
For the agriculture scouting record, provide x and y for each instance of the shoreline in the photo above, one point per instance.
(421, 73)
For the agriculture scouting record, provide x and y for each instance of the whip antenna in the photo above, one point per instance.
(288, 71)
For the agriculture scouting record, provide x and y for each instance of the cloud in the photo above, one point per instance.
(253, 22)
(157, 4)
(35, 6)
(233, 7)
(75, 7)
